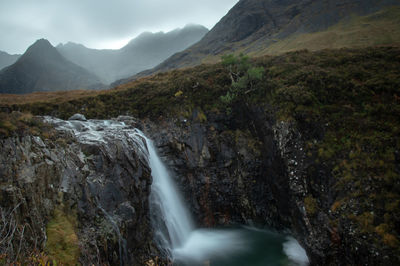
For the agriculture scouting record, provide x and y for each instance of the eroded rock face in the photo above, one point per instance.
(31, 174)
(219, 171)
(101, 176)
(246, 168)
(225, 171)
(249, 168)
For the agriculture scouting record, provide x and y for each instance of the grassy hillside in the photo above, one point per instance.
(353, 94)
(380, 28)
(57, 96)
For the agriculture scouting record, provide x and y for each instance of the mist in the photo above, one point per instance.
(99, 23)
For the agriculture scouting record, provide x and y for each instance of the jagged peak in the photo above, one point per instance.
(147, 35)
(6, 53)
(42, 43)
(70, 44)
(42, 49)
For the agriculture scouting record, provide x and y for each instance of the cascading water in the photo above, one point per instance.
(166, 201)
(175, 232)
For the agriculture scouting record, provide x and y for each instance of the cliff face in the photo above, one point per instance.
(100, 188)
(250, 168)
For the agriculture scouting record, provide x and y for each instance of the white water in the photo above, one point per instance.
(173, 225)
(167, 200)
(196, 246)
(295, 252)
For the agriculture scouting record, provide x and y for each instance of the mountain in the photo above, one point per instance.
(260, 27)
(43, 68)
(144, 52)
(100, 62)
(7, 59)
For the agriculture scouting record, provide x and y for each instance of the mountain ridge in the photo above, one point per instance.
(7, 59)
(43, 68)
(251, 26)
(143, 52)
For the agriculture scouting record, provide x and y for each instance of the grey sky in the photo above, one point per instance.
(99, 23)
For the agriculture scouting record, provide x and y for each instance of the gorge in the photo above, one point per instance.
(192, 246)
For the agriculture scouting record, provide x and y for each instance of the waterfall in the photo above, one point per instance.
(166, 201)
(174, 230)
(187, 245)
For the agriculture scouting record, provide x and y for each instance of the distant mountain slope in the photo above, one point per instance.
(7, 59)
(380, 28)
(263, 27)
(100, 62)
(143, 52)
(43, 68)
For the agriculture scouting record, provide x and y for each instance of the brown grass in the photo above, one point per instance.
(381, 28)
(58, 96)
(378, 29)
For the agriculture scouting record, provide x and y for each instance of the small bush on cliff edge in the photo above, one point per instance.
(243, 75)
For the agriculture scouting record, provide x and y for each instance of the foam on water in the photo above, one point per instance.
(203, 244)
(295, 252)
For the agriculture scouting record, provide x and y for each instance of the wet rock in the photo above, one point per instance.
(78, 117)
(106, 182)
(250, 168)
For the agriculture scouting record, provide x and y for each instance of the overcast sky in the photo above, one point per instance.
(99, 23)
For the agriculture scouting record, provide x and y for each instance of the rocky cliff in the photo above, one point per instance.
(256, 170)
(251, 172)
(80, 200)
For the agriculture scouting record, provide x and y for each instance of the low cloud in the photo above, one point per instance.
(96, 23)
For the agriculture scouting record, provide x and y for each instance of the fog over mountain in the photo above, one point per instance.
(144, 52)
(99, 24)
(259, 27)
(7, 59)
(43, 68)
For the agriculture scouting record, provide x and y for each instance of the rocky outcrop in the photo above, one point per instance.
(247, 167)
(31, 175)
(105, 184)
(221, 171)
(251, 168)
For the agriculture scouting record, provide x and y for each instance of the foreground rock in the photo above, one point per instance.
(100, 185)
